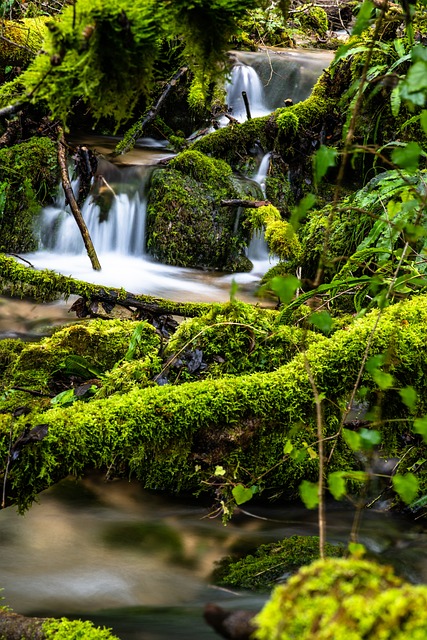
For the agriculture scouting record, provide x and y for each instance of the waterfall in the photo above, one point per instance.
(121, 230)
(245, 78)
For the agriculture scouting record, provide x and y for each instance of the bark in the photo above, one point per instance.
(16, 627)
(140, 127)
(247, 204)
(73, 203)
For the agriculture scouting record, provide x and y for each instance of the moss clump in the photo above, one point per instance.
(64, 629)
(260, 217)
(21, 40)
(272, 563)
(28, 179)
(314, 19)
(287, 122)
(283, 241)
(102, 343)
(344, 598)
(186, 225)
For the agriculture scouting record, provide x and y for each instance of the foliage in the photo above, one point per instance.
(344, 598)
(271, 563)
(64, 629)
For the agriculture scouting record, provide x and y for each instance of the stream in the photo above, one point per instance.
(111, 552)
(141, 562)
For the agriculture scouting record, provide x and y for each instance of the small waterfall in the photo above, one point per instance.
(245, 78)
(258, 249)
(121, 230)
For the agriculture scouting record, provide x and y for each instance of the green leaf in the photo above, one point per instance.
(409, 397)
(363, 18)
(395, 101)
(353, 439)
(337, 484)
(374, 362)
(219, 471)
(384, 380)
(324, 158)
(299, 212)
(288, 447)
(309, 492)
(233, 290)
(369, 438)
(406, 486)
(241, 493)
(423, 120)
(79, 366)
(357, 549)
(322, 320)
(420, 426)
(285, 287)
(407, 157)
(64, 399)
(135, 340)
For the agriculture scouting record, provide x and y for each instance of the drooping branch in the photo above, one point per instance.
(141, 125)
(47, 285)
(73, 203)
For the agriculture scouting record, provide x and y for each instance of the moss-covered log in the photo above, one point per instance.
(45, 286)
(173, 437)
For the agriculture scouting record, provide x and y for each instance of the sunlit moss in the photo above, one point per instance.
(344, 599)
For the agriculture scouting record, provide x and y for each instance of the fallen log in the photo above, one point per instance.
(45, 286)
(16, 627)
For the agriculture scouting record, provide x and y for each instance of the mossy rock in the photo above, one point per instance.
(186, 225)
(271, 563)
(29, 177)
(344, 599)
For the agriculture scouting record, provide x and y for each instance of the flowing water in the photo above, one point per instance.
(141, 562)
(268, 78)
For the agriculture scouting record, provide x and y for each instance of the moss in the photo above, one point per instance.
(314, 19)
(9, 352)
(287, 122)
(21, 40)
(30, 174)
(186, 225)
(173, 437)
(64, 629)
(260, 217)
(271, 563)
(344, 599)
(235, 338)
(283, 241)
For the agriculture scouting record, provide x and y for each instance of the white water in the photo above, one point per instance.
(120, 239)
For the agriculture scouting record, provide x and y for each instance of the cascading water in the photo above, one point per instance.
(118, 237)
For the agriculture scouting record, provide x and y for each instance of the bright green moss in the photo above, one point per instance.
(271, 563)
(282, 240)
(21, 40)
(288, 122)
(344, 599)
(260, 217)
(314, 19)
(64, 629)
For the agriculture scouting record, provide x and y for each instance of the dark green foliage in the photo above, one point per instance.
(28, 179)
(271, 563)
